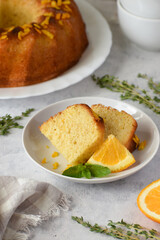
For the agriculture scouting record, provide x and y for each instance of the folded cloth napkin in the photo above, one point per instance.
(26, 203)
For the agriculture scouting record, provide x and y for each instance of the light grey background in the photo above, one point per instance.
(96, 203)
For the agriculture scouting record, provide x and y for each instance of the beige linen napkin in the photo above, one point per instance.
(26, 203)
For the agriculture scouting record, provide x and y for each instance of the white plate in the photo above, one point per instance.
(35, 143)
(100, 41)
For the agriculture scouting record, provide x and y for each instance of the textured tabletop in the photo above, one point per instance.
(101, 202)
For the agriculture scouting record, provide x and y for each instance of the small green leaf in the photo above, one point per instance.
(86, 173)
(97, 170)
(76, 171)
(156, 99)
(27, 112)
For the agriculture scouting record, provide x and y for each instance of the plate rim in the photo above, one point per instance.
(94, 180)
(30, 91)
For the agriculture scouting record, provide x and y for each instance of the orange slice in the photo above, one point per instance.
(149, 201)
(112, 154)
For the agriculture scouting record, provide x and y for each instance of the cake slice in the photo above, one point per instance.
(77, 132)
(121, 124)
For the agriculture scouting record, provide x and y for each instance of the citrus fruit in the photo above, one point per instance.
(149, 201)
(112, 154)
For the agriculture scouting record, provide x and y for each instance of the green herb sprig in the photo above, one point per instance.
(128, 91)
(7, 122)
(27, 112)
(87, 171)
(121, 230)
(152, 85)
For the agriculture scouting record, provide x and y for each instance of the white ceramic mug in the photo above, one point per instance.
(143, 8)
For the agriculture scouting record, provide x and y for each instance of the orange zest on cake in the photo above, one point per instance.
(26, 28)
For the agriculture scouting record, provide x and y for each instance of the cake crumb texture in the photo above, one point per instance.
(77, 132)
(119, 123)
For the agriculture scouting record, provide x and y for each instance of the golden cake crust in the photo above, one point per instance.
(43, 49)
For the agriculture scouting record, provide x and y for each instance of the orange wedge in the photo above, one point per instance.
(112, 154)
(149, 201)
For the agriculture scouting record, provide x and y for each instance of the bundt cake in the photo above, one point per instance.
(121, 124)
(39, 40)
(77, 132)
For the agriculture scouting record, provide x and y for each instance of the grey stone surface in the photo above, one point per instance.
(101, 202)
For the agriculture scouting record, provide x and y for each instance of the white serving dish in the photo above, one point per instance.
(144, 32)
(143, 8)
(35, 143)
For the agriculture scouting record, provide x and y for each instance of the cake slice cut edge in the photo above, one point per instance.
(119, 123)
(77, 132)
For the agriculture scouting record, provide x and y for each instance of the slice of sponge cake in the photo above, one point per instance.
(77, 132)
(121, 124)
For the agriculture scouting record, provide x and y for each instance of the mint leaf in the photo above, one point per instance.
(86, 172)
(76, 171)
(97, 170)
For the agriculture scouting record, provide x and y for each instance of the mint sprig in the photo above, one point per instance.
(86, 171)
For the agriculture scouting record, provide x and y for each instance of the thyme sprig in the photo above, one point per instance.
(7, 122)
(152, 85)
(27, 112)
(137, 229)
(121, 230)
(128, 91)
